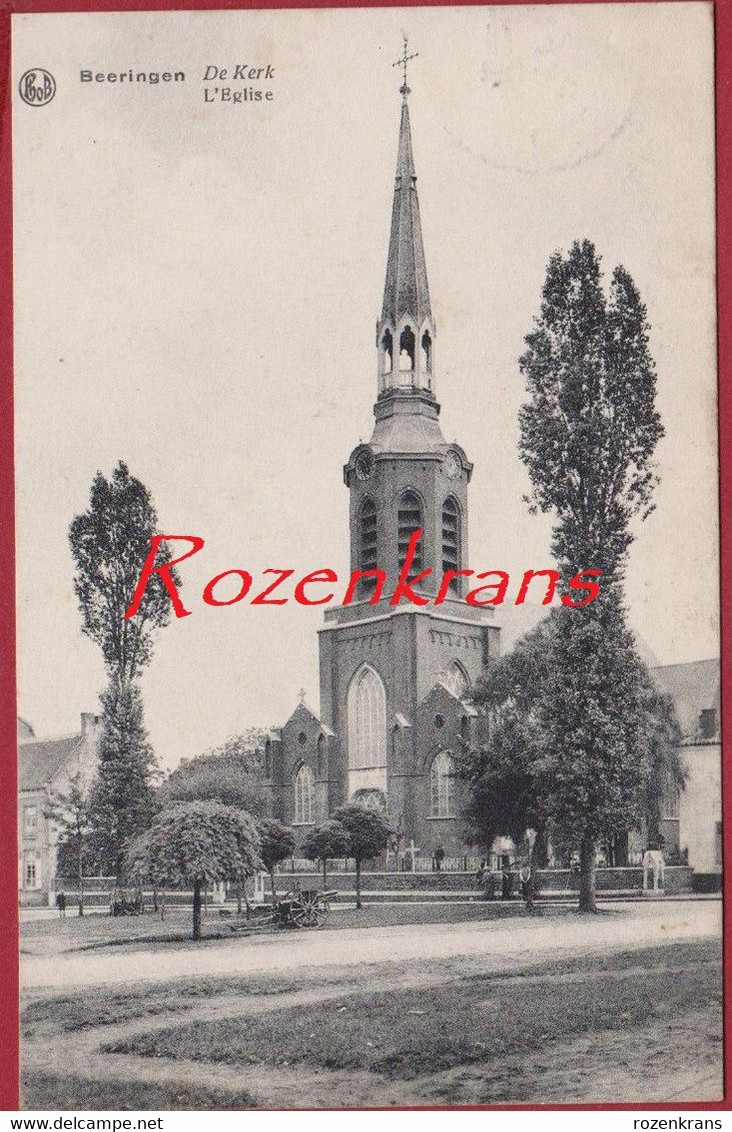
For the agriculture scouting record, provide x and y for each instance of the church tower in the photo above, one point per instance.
(407, 478)
(393, 679)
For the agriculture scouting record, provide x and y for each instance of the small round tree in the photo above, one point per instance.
(368, 835)
(198, 843)
(276, 843)
(325, 842)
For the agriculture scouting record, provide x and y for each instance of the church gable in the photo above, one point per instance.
(305, 752)
(443, 722)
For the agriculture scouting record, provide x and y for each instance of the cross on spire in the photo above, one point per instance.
(302, 694)
(402, 62)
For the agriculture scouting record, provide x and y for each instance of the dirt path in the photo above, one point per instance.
(617, 926)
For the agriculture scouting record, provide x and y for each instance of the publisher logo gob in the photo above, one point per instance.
(37, 87)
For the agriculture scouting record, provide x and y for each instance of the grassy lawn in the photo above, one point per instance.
(479, 1019)
(48, 1092)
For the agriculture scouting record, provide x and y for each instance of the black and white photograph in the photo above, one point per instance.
(367, 547)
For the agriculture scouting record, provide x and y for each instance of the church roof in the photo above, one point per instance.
(406, 290)
(302, 709)
(39, 761)
(412, 432)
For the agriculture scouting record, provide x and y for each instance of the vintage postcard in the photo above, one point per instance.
(367, 549)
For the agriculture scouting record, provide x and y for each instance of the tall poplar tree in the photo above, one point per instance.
(109, 543)
(589, 431)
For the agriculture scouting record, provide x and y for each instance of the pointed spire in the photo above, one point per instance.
(406, 290)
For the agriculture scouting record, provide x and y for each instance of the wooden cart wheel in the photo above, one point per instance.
(299, 915)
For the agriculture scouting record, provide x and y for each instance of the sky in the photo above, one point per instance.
(197, 285)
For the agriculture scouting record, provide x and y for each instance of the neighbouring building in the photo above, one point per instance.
(46, 767)
(692, 819)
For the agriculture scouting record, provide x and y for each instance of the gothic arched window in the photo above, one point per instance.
(426, 357)
(366, 721)
(442, 781)
(409, 520)
(455, 680)
(451, 537)
(387, 352)
(304, 792)
(406, 349)
(367, 536)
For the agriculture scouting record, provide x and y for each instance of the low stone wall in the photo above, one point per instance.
(677, 879)
(551, 881)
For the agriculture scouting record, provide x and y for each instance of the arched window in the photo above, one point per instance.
(426, 357)
(367, 536)
(442, 786)
(409, 520)
(406, 349)
(451, 537)
(455, 680)
(304, 791)
(366, 721)
(387, 352)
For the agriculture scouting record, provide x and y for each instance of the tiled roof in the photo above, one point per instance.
(694, 687)
(40, 760)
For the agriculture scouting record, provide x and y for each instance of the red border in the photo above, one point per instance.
(8, 781)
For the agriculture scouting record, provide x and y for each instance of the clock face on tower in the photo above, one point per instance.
(452, 466)
(364, 465)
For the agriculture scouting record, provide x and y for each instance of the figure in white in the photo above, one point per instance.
(653, 867)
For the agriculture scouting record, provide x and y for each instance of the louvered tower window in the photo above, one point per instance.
(409, 520)
(451, 537)
(367, 543)
(367, 528)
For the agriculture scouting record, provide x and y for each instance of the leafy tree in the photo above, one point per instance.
(277, 843)
(230, 774)
(506, 795)
(70, 811)
(580, 737)
(667, 769)
(368, 835)
(109, 543)
(122, 799)
(197, 844)
(597, 720)
(590, 427)
(326, 842)
(588, 434)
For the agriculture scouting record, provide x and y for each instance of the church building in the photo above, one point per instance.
(394, 678)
